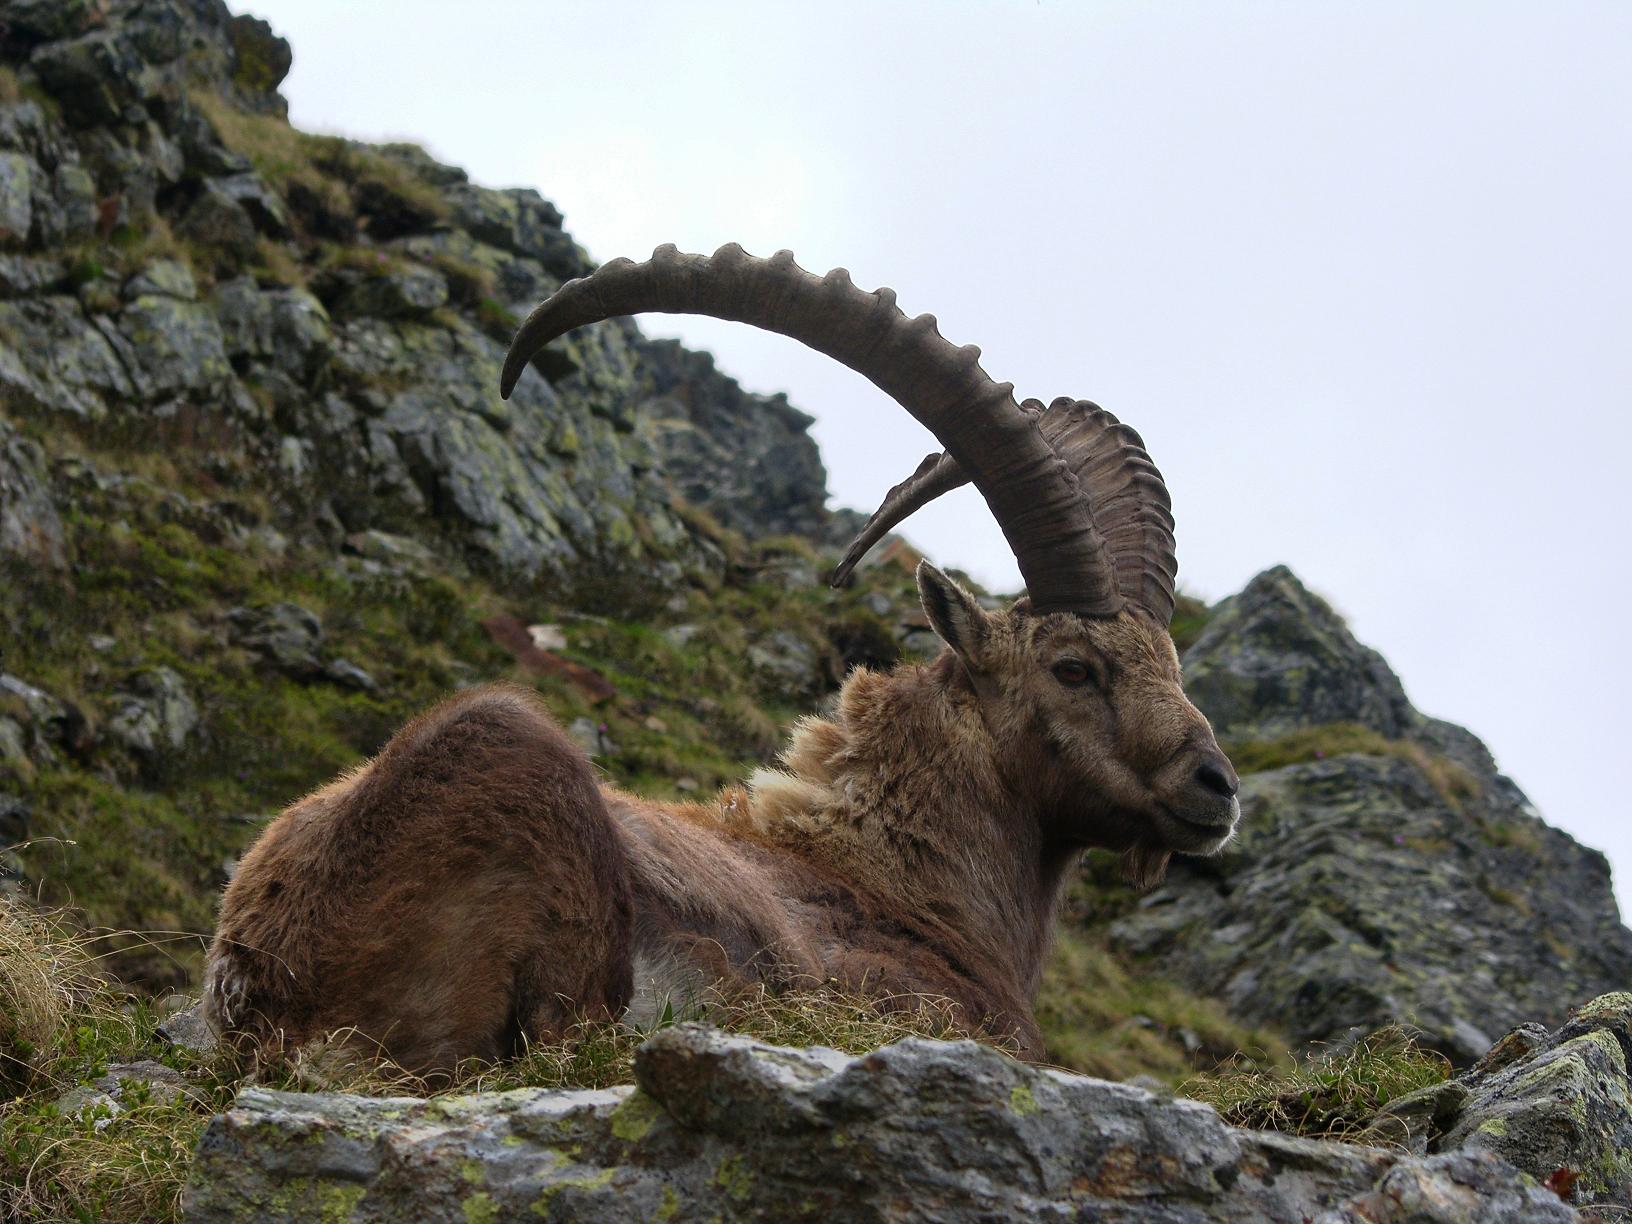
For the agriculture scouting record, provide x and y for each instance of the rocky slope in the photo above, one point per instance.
(178, 263)
(1385, 870)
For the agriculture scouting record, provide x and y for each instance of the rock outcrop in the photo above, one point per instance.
(1392, 875)
(728, 1128)
(174, 259)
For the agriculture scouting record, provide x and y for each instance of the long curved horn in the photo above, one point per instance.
(1127, 493)
(1035, 497)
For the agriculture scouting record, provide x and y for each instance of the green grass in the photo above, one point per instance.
(335, 188)
(1103, 1016)
(1454, 783)
(1330, 1095)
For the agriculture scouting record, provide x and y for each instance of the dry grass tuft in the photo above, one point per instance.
(44, 974)
(600, 1053)
(1328, 1096)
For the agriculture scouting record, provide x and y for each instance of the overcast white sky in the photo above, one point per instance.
(1360, 273)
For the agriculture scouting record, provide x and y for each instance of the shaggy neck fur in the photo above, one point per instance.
(900, 791)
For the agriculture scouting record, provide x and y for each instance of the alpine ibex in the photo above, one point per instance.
(473, 887)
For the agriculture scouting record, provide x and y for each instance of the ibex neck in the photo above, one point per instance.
(899, 791)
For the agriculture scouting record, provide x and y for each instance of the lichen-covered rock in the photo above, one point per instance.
(287, 635)
(1560, 1103)
(1457, 1188)
(176, 346)
(1365, 889)
(30, 527)
(730, 1128)
(407, 292)
(749, 458)
(47, 721)
(155, 714)
(164, 277)
(1276, 657)
(787, 661)
(391, 421)
(99, 78)
(17, 174)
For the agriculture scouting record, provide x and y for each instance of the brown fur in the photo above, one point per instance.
(461, 889)
(471, 886)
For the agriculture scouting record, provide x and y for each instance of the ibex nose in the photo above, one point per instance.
(1219, 777)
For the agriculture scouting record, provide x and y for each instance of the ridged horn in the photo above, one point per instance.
(1036, 498)
(1128, 497)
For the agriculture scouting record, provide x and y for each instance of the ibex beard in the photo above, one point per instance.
(472, 889)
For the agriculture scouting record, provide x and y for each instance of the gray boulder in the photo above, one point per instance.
(164, 277)
(749, 458)
(787, 661)
(217, 219)
(155, 714)
(730, 1128)
(30, 527)
(409, 291)
(57, 361)
(1554, 1105)
(286, 635)
(176, 346)
(99, 78)
(17, 175)
(286, 329)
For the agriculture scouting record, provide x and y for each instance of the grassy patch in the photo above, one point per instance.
(1454, 783)
(334, 186)
(1326, 1096)
(1104, 1017)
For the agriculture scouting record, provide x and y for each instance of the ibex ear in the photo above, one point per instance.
(961, 622)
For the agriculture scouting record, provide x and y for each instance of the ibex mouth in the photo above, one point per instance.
(1200, 832)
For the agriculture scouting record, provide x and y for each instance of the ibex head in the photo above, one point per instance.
(1079, 685)
(1089, 719)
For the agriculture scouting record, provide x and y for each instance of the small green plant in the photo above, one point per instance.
(1330, 1095)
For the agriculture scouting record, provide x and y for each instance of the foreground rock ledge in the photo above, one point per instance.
(723, 1127)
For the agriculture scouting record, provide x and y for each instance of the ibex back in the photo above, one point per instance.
(472, 888)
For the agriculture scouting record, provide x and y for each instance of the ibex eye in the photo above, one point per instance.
(1072, 671)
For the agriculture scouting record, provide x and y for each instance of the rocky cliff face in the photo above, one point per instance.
(1385, 869)
(325, 320)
